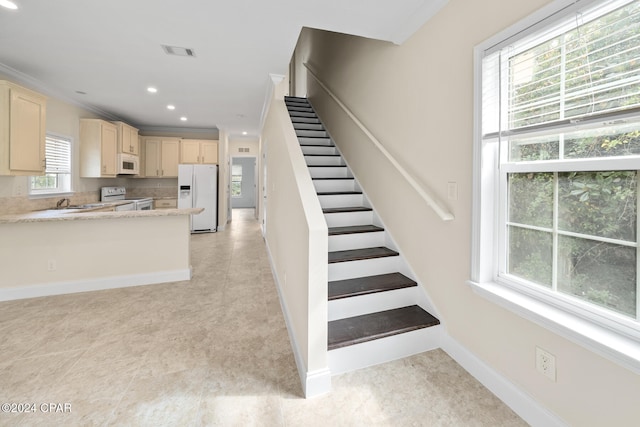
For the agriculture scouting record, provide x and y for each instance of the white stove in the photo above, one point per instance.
(119, 194)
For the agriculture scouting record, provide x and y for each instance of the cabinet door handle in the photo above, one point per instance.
(157, 172)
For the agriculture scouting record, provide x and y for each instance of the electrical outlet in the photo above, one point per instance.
(51, 265)
(546, 363)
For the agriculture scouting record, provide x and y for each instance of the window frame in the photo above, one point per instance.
(54, 192)
(615, 337)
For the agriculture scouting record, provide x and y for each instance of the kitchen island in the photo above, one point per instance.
(57, 251)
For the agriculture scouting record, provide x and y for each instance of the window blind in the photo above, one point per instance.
(586, 68)
(58, 155)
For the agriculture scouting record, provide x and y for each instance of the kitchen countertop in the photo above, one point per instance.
(90, 214)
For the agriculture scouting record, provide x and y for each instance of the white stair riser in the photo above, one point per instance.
(305, 120)
(335, 185)
(384, 350)
(298, 114)
(330, 172)
(341, 200)
(324, 160)
(343, 242)
(310, 149)
(372, 303)
(308, 126)
(365, 267)
(348, 218)
(312, 133)
(314, 141)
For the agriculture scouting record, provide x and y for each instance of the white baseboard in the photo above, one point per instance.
(75, 286)
(519, 401)
(313, 383)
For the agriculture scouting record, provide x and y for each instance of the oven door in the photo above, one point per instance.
(126, 207)
(144, 205)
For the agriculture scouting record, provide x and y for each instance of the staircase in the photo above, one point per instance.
(376, 311)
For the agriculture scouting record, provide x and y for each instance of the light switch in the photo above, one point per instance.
(452, 190)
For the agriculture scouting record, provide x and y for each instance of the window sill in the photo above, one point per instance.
(613, 346)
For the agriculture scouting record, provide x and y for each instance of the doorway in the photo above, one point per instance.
(243, 182)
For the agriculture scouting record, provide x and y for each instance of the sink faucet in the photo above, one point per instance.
(61, 202)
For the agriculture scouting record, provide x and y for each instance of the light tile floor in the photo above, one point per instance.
(211, 351)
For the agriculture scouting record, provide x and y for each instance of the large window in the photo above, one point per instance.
(557, 171)
(57, 177)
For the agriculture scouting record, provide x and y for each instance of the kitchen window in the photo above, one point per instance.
(57, 176)
(556, 171)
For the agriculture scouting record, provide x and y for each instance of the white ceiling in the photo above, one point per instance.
(111, 50)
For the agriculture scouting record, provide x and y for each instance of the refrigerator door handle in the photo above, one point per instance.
(194, 197)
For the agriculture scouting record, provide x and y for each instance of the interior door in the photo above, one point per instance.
(243, 182)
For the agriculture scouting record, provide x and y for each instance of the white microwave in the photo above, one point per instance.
(128, 164)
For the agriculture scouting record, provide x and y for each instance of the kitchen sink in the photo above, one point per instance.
(88, 206)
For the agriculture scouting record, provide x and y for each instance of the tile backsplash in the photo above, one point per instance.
(21, 204)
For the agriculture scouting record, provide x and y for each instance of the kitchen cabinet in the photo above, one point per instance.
(165, 204)
(22, 130)
(161, 156)
(199, 151)
(98, 148)
(127, 139)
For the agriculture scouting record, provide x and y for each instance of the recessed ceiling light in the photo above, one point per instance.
(79, 92)
(171, 107)
(8, 4)
(152, 89)
(184, 119)
(244, 132)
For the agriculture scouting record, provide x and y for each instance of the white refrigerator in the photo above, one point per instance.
(198, 188)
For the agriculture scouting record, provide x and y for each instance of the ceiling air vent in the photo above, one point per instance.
(178, 51)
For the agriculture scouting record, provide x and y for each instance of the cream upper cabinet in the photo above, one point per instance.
(161, 156)
(98, 148)
(127, 139)
(22, 130)
(199, 151)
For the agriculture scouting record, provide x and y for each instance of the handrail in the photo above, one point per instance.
(430, 200)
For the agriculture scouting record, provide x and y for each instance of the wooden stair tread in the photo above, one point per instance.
(338, 193)
(317, 145)
(321, 155)
(346, 209)
(354, 229)
(339, 289)
(368, 327)
(332, 177)
(361, 254)
(327, 166)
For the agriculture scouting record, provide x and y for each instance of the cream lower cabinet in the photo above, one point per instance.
(161, 156)
(22, 130)
(98, 149)
(199, 151)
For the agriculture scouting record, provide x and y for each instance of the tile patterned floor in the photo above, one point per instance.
(208, 352)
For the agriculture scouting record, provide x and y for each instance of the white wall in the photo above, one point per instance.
(417, 99)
